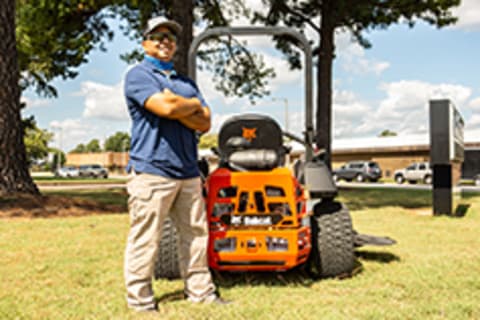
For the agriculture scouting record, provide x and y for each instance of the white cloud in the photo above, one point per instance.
(283, 73)
(473, 122)
(296, 123)
(404, 109)
(475, 104)
(347, 114)
(218, 120)
(351, 57)
(70, 132)
(35, 103)
(103, 101)
(468, 14)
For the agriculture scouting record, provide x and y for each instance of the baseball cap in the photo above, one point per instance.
(156, 22)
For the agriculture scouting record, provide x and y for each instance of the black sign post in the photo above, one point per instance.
(446, 155)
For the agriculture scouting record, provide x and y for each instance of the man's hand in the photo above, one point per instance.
(199, 121)
(170, 105)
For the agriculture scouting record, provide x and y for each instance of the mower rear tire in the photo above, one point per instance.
(166, 264)
(332, 240)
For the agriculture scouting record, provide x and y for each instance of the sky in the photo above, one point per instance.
(387, 86)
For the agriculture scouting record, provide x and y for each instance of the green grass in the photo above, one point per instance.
(71, 268)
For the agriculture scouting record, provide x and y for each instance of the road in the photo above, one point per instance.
(342, 184)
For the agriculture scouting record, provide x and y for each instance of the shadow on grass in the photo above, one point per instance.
(383, 257)
(461, 210)
(170, 297)
(295, 277)
(115, 196)
(358, 199)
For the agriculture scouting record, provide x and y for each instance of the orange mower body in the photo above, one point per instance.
(257, 221)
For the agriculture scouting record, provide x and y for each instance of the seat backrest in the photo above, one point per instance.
(251, 138)
(261, 131)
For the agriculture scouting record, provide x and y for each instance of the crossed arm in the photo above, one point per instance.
(189, 111)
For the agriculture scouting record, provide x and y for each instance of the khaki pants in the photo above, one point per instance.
(151, 199)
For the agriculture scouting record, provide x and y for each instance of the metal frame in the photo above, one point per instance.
(254, 31)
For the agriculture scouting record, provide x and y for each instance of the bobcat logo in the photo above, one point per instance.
(249, 133)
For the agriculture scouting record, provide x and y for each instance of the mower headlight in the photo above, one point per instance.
(225, 244)
(276, 244)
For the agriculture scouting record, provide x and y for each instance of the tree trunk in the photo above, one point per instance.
(324, 78)
(182, 12)
(14, 174)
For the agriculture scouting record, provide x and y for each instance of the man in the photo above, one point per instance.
(166, 110)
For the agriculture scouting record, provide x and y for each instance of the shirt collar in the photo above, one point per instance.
(164, 67)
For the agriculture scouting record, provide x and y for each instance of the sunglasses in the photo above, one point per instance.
(160, 36)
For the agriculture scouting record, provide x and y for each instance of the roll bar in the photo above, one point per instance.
(254, 31)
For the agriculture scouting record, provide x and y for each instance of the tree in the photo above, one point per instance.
(50, 39)
(36, 141)
(387, 133)
(80, 148)
(208, 141)
(55, 38)
(93, 146)
(326, 16)
(14, 175)
(119, 142)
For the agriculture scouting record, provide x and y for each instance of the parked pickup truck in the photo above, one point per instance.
(416, 172)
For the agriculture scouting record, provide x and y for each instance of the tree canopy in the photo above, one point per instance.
(93, 146)
(208, 140)
(119, 142)
(387, 133)
(80, 148)
(55, 37)
(36, 140)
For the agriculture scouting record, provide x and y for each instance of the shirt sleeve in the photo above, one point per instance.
(139, 86)
(202, 100)
(199, 95)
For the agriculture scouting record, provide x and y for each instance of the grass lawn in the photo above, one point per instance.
(71, 268)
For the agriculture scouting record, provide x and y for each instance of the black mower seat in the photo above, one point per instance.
(251, 142)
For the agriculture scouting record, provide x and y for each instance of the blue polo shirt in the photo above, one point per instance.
(159, 145)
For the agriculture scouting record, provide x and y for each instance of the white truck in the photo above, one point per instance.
(416, 172)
